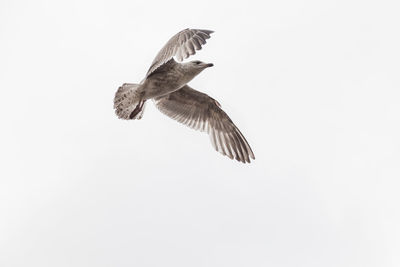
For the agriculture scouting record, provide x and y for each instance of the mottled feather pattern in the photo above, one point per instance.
(125, 101)
(166, 83)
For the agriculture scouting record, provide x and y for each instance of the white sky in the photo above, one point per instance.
(313, 85)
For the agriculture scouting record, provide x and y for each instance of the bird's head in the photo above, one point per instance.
(197, 66)
(200, 65)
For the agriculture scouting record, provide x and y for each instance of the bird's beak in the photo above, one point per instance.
(209, 65)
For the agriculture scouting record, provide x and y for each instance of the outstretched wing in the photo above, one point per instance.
(181, 45)
(201, 112)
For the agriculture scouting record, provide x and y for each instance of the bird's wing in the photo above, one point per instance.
(201, 112)
(181, 45)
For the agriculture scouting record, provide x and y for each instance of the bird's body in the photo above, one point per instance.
(166, 83)
(168, 78)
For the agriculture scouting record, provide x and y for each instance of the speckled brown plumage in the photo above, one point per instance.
(166, 83)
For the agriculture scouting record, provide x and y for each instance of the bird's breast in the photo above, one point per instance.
(164, 83)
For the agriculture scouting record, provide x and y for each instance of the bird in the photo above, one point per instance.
(166, 83)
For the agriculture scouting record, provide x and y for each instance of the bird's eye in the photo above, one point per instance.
(197, 62)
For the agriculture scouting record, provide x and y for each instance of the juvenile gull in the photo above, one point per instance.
(166, 83)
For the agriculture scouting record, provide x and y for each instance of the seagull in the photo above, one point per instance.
(166, 83)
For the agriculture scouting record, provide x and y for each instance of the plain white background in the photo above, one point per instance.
(313, 85)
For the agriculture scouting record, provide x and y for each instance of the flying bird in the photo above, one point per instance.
(166, 84)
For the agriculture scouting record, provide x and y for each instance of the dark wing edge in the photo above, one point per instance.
(182, 45)
(201, 112)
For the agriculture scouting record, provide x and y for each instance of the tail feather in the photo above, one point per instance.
(128, 102)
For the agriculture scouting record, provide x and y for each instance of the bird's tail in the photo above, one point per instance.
(128, 101)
